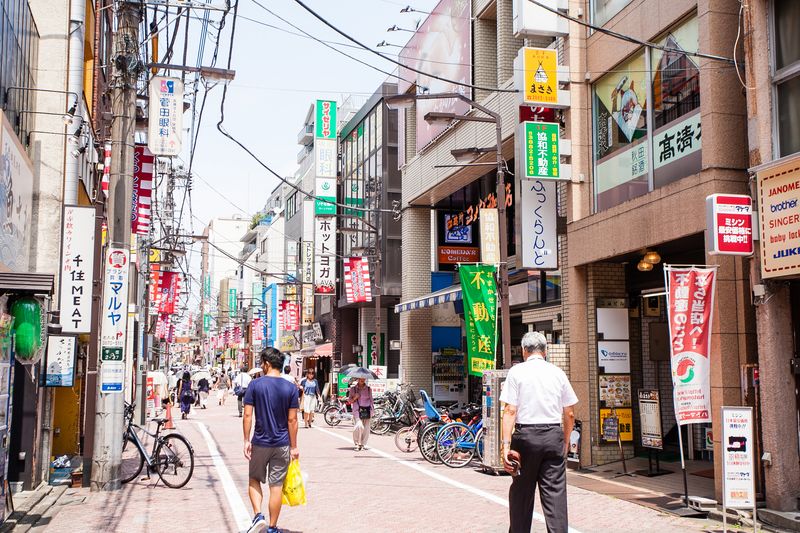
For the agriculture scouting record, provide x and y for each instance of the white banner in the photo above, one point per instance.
(165, 123)
(738, 465)
(490, 236)
(324, 255)
(325, 152)
(538, 237)
(77, 269)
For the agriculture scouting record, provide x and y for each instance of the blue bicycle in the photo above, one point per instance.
(457, 443)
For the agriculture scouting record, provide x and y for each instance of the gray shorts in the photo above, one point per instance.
(272, 461)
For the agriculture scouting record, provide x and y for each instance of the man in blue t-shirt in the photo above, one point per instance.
(274, 441)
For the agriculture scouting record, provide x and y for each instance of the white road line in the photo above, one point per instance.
(238, 508)
(435, 475)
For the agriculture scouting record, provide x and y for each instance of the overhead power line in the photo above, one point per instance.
(396, 62)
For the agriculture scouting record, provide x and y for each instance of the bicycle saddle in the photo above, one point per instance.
(159, 421)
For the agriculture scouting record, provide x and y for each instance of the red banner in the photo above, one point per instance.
(357, 285)
(292, 316)
(143, 170)
(690, 304)
(168, 283)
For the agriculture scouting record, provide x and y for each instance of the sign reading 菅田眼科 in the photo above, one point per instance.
(165, 123)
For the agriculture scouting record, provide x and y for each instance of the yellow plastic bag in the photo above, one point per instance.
(294, 492)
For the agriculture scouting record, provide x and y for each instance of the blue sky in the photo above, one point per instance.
(278, 76)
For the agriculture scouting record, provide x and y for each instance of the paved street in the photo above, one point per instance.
(377, 490)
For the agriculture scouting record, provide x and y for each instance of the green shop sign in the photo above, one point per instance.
(325, 124)
(479, 292)
(540, 153)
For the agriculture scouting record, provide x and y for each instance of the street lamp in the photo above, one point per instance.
(405, 101)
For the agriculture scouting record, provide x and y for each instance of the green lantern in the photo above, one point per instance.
(27, 313)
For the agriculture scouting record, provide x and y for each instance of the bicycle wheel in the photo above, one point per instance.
(174, 460)
(479, 440)
(331, 416)
(132, 461)
(455, 445)
(406, 439)
(378, 424)
(427, 443)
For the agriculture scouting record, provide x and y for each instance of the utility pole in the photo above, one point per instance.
(377, 345)
(107, 452)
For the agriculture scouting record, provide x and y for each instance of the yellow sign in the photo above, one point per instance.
(155, 255)
(625, 417)
(540, 67)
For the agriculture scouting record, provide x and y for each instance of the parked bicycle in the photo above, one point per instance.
(402, 413)
(172, 457)
(337, 412)
(457, 443)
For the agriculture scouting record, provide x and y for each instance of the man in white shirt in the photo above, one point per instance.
(538, 396)
(240, 384)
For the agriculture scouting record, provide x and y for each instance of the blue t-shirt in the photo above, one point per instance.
(309, 386)
(271, 398)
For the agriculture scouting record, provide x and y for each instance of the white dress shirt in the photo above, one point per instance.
(539, 390)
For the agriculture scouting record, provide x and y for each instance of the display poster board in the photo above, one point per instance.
(615, 390)
(60, 366)
(624, 417)
(650, 419)
(738, 465)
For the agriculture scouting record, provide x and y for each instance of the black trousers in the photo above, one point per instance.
(541, 450)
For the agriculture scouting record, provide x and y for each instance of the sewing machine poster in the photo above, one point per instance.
(738, 466)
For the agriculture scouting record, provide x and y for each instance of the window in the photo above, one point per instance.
(786, 74)
(640, 145)
(292, 205)
(604, 10)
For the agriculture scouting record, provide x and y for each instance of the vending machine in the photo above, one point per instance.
(493, 381)
(449, 377)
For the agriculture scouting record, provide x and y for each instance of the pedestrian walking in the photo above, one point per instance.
(360, 399)
(240, 384)
(223, 386)
(185, 394)
(310, 387)
(273, 402)
(287, 375)
(202, 388)
(538, 397)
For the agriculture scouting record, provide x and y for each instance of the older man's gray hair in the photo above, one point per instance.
(534, 342)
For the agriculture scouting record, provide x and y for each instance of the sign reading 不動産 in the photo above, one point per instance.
(538, 150)
(479, 291)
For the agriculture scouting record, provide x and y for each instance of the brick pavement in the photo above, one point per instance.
(375, 491)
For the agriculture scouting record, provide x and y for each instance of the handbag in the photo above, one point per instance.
(364, 412)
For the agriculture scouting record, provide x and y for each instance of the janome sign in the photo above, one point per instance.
(778, 201)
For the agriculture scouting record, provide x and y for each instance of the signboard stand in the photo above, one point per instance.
(738, 463)
(621, 451)
(657, 471)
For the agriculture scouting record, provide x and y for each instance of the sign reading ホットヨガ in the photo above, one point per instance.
(77, 269)
(115, 319)
(324, 255)
(778, 208)
(539, 153)
(729, 224)
(165, 123)
(690, 302)
(738, 465)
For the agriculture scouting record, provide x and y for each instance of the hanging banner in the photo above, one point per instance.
(479, 292)
(165, 123)
(292, 316)
(325, 255)
(114, 322)
(357, 285)
(104, 183)
(77, 269)
(490, 236)
(738, 465)
(143, 170)
(690, 303)
(538, 235)
(154, 288)
(168, 286)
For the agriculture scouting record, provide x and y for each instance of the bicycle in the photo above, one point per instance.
(402, 412)
(172, 457)
(457, 442)
(336, 413)
(407, 438)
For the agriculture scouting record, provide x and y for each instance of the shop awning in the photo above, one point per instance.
(450, 294)
(321, 350)
(27, 281)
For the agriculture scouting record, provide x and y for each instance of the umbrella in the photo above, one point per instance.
(200, 374)
(347, 368)
(361, 372)
(255, 370)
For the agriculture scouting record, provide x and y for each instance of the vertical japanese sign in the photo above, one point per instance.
(165, 124)
(490, 236)
(539, 152)
(325, 157)
(143, 170)
(60, 361)
(729, 224)
(77, 269)
(538, 236)
(115, 320)
(650, 419)
(207, 286)
(292, 316)
(307, 279)
(206, 322)
(539, 76)
(738, 465)
(357, 285)
(690, 303)
(324, 255)
(479, 292)
(233, 306)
